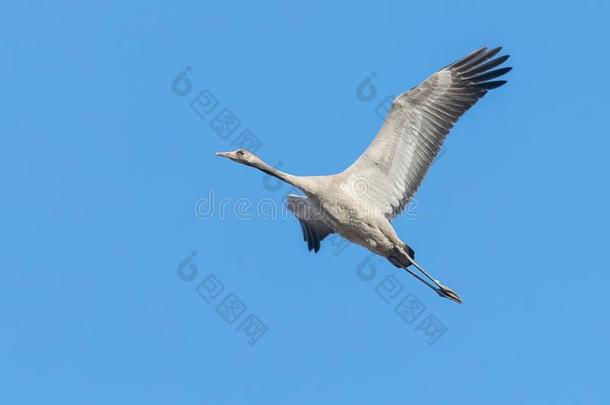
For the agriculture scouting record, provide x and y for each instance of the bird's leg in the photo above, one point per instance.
(397, 263)
(422, 270)
(439, 288)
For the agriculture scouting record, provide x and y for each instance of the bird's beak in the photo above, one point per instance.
(223, 154)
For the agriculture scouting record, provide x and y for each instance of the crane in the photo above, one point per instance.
(360, 202)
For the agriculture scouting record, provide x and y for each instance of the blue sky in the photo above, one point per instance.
(104, 168)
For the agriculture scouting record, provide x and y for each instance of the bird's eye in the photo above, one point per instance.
(240, 153)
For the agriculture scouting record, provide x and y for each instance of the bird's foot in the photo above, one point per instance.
(448, 293)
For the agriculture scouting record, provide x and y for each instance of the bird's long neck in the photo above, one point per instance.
(296, 181)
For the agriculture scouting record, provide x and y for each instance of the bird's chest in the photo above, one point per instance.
(353, 222)
(341, 210)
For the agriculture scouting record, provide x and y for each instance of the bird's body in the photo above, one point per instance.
(360, 202)
(345, 213)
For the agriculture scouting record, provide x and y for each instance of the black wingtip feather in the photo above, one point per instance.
(486, 66)
(491, 75)
(476, 69)
(467, 59)
(476, 61)
(311, 237)
(493, 85)
(494, 52)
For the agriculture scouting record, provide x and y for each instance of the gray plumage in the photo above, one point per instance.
(360, 202)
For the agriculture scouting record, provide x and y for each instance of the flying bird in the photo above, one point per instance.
(360, 202)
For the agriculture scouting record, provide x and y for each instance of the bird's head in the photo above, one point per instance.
(242, 156)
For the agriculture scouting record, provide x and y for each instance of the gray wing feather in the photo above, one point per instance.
(313, 224)
(399, 157)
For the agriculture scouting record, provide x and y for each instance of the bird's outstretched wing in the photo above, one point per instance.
(315, 227)
(391, 169)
